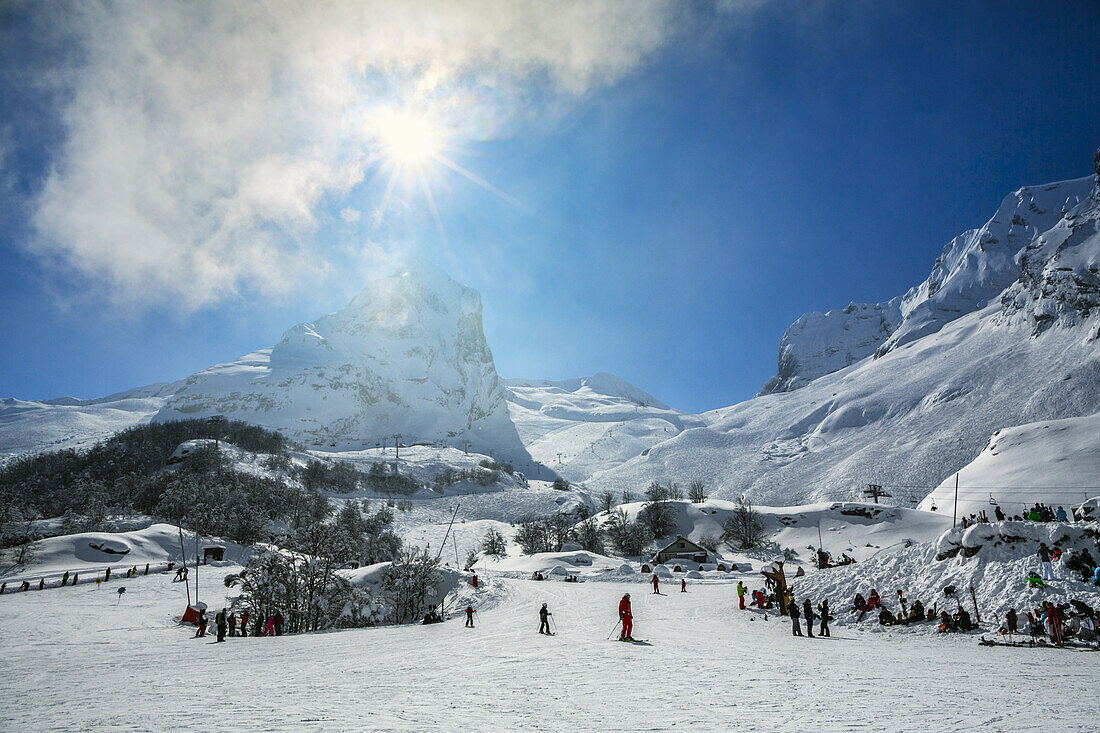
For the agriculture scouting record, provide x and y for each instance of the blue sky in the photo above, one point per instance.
(689, 181)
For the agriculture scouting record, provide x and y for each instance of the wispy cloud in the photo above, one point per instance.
(202, 138)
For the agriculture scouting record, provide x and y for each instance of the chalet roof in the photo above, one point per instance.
(680, 538)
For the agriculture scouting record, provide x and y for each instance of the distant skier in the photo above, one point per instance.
(544, 620)
(470, 616)
(792, 609)
(220, 622)
(1011, 621)
(269, 629)
(656, 584)
(823, 612)
(808, 614)
(627, 618)
(683, 586)
(741, 590)
(107, 575)
(65, 579)
(1045, 568)
(233, 624)
(41, 584)
(202, 624)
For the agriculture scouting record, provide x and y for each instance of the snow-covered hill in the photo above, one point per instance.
(28, 426)
(407, 356)
(1053, 461)
(582, 426)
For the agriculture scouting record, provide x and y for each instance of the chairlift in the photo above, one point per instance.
(992, 500)
(934, 505)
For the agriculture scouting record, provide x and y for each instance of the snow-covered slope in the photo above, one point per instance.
(999, 338)
(1056, 462)
(68, 422)
(581, 426)
(406, 356)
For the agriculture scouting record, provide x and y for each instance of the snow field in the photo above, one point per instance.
(89, 664)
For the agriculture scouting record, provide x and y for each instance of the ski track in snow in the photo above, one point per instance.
(74, 660)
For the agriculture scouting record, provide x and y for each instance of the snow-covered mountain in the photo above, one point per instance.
(974, 269)
(1003, 332)
(582, 426)
(407, 356)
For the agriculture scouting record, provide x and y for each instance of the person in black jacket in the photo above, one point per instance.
(808, 614)
(220, 621)
(823, 613)
(544, 620)
(793, 610)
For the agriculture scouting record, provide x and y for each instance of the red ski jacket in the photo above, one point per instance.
(624, 607)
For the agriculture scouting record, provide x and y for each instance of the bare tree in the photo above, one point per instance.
(744, 527)
(493, 543)
(697, 492)
(607, 501)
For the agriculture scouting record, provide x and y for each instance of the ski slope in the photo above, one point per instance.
(76, 661)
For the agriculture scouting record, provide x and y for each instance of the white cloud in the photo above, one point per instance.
(201, 137)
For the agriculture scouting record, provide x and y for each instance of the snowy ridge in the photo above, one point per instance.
(582, 426)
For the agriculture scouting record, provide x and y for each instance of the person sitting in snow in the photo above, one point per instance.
(916, 611)
(885, 618)
(1061, 515)
(962, 620)
(1034, 581)
(859, 603)
(873, 599)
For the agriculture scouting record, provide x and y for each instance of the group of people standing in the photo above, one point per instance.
(234, 625)
(807, 613)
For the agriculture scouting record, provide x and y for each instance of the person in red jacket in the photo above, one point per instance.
(873, 600)
(683, 586)
(627, 618)
(656, 584)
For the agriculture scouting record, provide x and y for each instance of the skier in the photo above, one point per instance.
(41, 584)
(1045, 568)
(1011, 621)
(473, 580)
(823, 611)
(741, 590)
(470, 616)
(656, 584)
(75, 577)
(792, 608)
(244, 623)
(544, 620)
(202, 624)
(683, 586)
(808, 614)
(278, 624)
(64, 578)
(219, 620)
(269, 629)
(233, 624)
(107, 575)
(627, 618)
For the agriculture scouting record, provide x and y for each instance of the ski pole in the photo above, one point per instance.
(613, 629)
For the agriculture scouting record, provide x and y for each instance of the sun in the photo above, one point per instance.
(408, 140)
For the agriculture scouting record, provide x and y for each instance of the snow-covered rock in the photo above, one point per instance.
(407, 356)
(819, 343)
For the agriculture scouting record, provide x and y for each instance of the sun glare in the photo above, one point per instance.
(408, 140)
